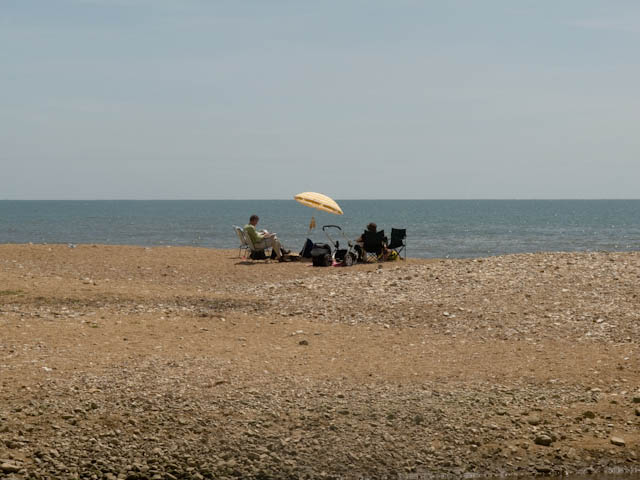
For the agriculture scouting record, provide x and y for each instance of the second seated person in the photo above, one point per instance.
(378, 245)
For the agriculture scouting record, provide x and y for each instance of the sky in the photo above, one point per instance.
(206, 99)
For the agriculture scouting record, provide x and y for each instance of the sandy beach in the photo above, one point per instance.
(162, 363)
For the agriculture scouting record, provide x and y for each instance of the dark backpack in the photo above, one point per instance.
(258, 255)
(321, 255)
(306, 249)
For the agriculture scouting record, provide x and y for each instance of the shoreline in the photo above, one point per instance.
(231, 250)
(188, 361)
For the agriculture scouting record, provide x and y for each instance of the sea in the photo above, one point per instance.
(435, 228)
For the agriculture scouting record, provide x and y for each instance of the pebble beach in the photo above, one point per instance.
(125, 362)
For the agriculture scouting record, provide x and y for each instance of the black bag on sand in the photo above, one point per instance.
(321, 255)
(283, 251)
(306, 249)
(258, 255)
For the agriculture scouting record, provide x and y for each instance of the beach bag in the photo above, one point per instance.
(258, 255)
(283, 251)
(321, 255)
(306, 249)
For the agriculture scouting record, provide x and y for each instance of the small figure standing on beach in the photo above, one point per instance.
(262, 238)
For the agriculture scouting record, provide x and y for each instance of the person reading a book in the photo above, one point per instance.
(262, 238)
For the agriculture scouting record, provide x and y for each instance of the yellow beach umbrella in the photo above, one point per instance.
(319, 201)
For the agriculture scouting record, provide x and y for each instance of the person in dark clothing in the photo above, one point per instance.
(370, 241)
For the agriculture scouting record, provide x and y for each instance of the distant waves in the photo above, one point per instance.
(436, 228)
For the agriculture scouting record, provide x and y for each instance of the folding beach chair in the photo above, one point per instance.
(257, 252)
(244, 242)
(398, 241)
(373, 244)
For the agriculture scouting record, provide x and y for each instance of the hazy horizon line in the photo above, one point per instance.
(291, 199)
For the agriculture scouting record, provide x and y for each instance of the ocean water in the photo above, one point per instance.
(435, 228)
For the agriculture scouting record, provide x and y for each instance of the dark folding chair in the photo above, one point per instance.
(373, 244)
(398, 241)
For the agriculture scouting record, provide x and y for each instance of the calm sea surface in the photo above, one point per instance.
(436, 228)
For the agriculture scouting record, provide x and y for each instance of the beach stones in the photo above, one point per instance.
(618, 441)
(534, 420)
(7, 467)
(544, 469)
(542, 439)
(503, 392)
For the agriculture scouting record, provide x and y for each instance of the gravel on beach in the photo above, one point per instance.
(122, 362)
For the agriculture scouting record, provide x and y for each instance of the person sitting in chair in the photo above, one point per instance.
(373, 241)
(262, 238)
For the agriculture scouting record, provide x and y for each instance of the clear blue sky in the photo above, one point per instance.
(355, 99)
